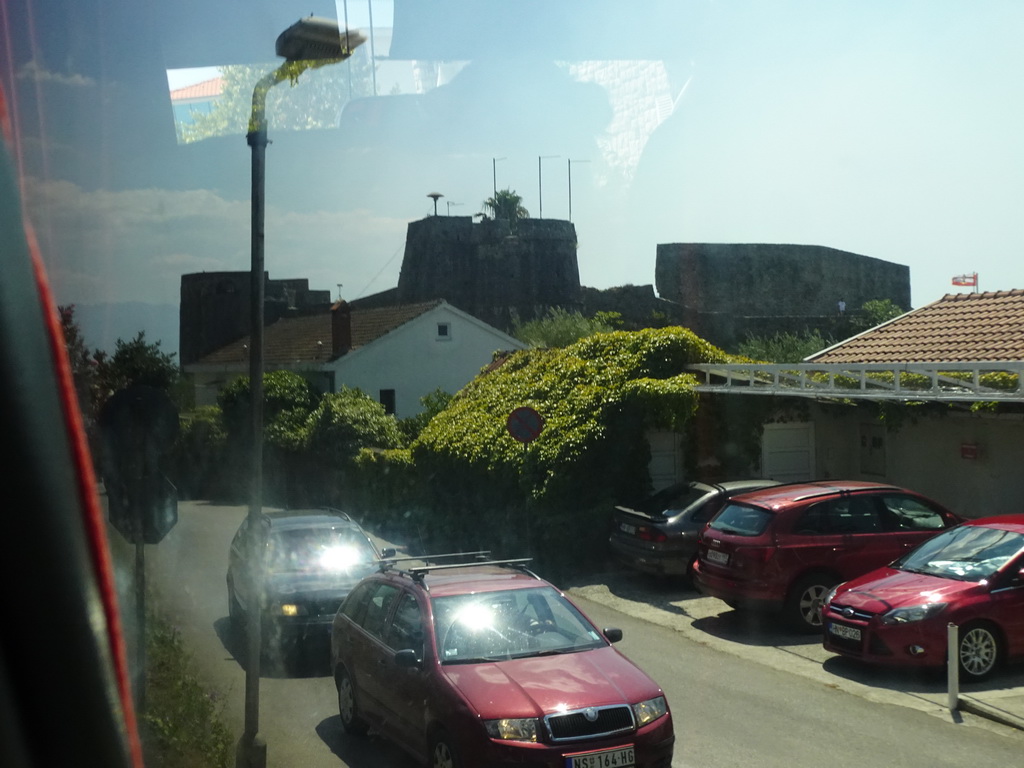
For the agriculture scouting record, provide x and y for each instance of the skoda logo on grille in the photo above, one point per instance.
(591, 714)
(848, 613)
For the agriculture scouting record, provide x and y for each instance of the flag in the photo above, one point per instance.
(967, 280)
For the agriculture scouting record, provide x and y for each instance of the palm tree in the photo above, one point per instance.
(506, 204)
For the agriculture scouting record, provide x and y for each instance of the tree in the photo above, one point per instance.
(347, 421)
(84, 363)
(136, 362)
(507, 205)
(783, 347)
(288, 400)
(560, 327)
(876, 312)
(433, 403)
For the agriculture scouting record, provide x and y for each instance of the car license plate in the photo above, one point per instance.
(607, 758)
(714, 556)
(841, 630)
(627, 528)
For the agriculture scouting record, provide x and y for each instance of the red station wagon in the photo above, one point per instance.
(487, 665)
(784, 548)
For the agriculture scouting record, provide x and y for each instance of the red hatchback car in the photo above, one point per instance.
(971, 576)
(784, 548)
(486, 664)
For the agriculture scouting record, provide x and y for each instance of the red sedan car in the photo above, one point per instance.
(472, 665)
(971, 575)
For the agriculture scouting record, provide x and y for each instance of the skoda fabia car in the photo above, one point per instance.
(486, 665)
(971, 576)
(311, 558)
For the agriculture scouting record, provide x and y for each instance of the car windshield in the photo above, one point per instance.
(317, 549)
(512, 624)
(479, 273)
(965, 553)
(741, 520)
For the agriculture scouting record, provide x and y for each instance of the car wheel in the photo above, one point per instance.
(979, 652)
(442, 752)
(803, 609)
(351, 722)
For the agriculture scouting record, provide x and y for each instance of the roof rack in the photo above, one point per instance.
(519, 562)
(416, 573)
(387, 563)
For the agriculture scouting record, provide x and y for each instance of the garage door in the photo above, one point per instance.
(787, 451)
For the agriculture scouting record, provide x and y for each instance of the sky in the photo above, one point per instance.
(888, 128)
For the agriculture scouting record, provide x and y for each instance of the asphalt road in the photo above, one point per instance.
(736, 705)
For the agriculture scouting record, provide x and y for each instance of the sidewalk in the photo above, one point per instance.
(711, 622)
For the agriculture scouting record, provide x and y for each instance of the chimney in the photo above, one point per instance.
(341, 328)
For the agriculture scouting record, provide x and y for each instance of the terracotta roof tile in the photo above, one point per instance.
(204, 90)
(959, 327)
(307, 339)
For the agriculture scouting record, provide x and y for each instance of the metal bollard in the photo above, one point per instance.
(953, 666)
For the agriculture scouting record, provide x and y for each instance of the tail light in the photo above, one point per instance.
(650, 534)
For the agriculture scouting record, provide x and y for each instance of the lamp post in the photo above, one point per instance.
(570, 162)
(494, 174)
(310, 42)
(540, 188)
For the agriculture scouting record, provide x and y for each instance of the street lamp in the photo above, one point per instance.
(494, 174)
(570, 184)
(540, 192)
(309, 43)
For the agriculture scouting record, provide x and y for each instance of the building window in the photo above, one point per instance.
(387, 399)
(444, 331)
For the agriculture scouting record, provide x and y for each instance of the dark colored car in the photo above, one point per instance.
(311, 560)
(784, 548)
(659, 536)
(487, 665)
(971, 576)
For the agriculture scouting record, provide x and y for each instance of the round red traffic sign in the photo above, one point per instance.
(524, 424)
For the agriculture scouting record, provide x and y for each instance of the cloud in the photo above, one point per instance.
(134, 245)
(35, 72)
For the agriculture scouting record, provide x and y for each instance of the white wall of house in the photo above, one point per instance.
(418, 357)
(971, 462)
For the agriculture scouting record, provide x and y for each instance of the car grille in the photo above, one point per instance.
(851, 613)
(606, 721)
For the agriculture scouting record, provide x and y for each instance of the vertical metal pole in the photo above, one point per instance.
(373, 51)
(252, 750)
(540, 192)
(953, 666)
(140, 616)
(570, 188)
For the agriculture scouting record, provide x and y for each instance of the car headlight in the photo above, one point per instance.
(291, 609)
(830, 595)
(650, 710)
(912, 613)
(512, 729)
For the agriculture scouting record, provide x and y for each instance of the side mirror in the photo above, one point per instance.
(407, 659)
(612, 634)
(388, 552)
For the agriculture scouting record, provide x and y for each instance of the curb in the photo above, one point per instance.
(990, 712)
